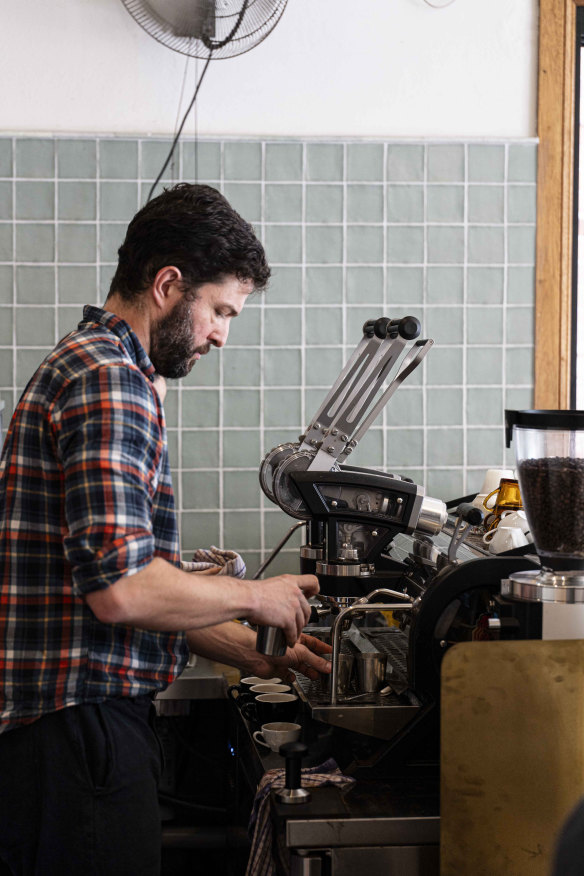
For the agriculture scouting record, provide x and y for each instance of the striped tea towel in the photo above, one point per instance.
(214, 561)
(261, 861)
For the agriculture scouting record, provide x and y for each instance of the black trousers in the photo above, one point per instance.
(78, 792)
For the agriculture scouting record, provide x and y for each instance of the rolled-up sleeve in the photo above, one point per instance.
(110, 443)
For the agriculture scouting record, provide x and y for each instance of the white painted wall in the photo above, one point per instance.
(387, 68)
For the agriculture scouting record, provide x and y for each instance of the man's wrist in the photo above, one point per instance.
(250, 598)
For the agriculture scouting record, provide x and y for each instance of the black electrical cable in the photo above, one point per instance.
(212, 45)
(179, 132)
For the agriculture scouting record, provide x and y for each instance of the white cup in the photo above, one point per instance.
(276, 734)
(493, 478)
(270, 688)
(478, 501)
(516, 518)
(491, 481)
(248, 682)
(504, 538)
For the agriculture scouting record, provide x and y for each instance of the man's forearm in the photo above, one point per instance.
(162, 597)
(230, 643)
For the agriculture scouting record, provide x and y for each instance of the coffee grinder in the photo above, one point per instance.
(549, 449)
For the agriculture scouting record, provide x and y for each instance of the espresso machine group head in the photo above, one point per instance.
(352, 513)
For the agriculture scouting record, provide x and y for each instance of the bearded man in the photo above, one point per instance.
(96, 614)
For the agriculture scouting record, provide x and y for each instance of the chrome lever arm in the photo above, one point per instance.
(409, 364)
(359, 361)
(356, 388)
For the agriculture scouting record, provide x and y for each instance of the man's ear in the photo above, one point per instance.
(166, 287)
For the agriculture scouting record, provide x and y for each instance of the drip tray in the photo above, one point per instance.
(372, 714)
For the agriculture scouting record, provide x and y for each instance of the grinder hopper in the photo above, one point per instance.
(549, 449)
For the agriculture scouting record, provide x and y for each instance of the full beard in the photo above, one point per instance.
(172, 348)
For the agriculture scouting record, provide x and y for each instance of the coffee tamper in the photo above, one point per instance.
(293, 792)
(271, 641)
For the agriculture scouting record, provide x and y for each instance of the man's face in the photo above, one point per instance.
(189, 330)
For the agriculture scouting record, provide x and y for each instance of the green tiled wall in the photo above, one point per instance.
(445, 231)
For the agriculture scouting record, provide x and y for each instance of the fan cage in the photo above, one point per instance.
(185, 25)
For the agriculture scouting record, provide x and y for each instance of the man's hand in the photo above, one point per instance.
(283, 602)
(303, 657)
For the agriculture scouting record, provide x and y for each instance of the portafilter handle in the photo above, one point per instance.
(292, 792)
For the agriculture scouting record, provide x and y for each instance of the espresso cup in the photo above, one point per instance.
(242, 690)
(479, 500)
(492, 479)
(515, 518)
(507, 497)
(250, 680)
(269, 707)
(270, 688)
(489, 535)
(505, 538)
(276, 733)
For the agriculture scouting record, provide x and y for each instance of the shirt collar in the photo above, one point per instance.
(122, 330)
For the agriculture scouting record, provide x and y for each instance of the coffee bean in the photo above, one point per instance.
(552, 490)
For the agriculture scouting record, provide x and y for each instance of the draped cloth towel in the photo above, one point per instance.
(261, 860)
(214, 561)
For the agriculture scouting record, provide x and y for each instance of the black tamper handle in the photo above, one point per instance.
(293, 752)
(293, 792)
(470, 513)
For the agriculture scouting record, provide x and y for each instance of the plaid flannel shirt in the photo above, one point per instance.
(85, 498)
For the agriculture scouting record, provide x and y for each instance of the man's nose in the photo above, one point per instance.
(218, 336)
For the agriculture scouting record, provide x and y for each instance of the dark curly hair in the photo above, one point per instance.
(194, 228)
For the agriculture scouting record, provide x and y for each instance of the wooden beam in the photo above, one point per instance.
(555, 203)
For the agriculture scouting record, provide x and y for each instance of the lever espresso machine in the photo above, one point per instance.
(351, 513)
(398, 574)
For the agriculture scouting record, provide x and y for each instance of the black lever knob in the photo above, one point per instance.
(470, 513)
(409, 327)
(382, 326)
(293, 792)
